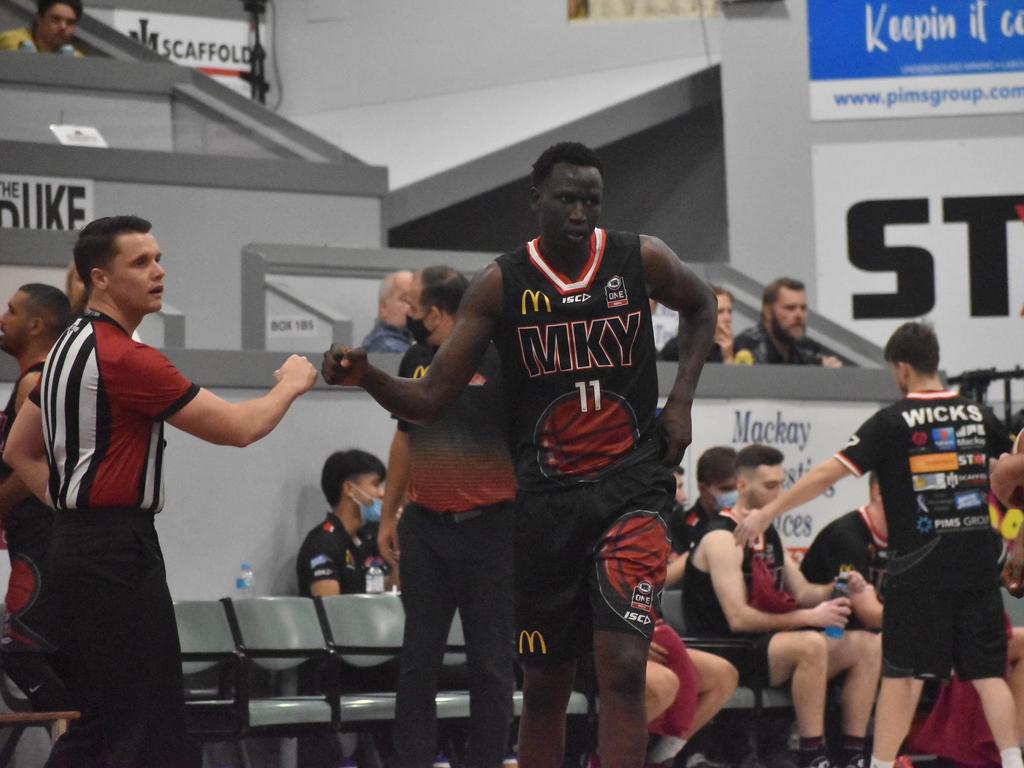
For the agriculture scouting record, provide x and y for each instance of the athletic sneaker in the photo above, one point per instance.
(903, 761)
(820, 761)
(858, 761)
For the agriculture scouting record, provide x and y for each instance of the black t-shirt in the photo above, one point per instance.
(701, 610)
(848, 543)
(328, 552)
(930, 452)
(579, 363)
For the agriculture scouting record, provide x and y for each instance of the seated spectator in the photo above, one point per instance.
(335, 556)
(759, 592)
(722, 349)
(52, 31)
(716, 488)
(857, 541)
(705, 683)
(389, 332)
(781, 335)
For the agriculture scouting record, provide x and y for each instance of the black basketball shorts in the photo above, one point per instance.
(926, 633)
(590, 557)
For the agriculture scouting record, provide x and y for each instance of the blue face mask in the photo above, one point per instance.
(726, 499)
(370, 510)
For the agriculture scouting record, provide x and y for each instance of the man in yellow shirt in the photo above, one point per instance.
(52, 29)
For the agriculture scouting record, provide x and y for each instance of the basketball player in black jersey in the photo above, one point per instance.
(569, 313)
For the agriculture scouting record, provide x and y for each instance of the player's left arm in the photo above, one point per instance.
(25, 452)
(672, 283)
(807, 488)
(804, 592)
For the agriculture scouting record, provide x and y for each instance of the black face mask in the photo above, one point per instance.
(416, 327)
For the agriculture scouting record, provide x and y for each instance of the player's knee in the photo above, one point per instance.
(625, 680)
(868, 646)
(661, 686)
(810, 648)
(725, 677)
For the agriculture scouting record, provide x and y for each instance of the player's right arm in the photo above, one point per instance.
(218, 421)
(423, 400)
(394, 492)
(725, 564)
(804, 490)
(13, 490)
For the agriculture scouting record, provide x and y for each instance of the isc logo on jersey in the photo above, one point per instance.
(579, 298)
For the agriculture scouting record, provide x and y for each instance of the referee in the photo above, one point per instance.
(90, 442)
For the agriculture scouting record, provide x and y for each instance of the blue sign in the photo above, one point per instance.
(852, 39)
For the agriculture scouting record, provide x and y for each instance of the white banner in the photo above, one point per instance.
(806, 432)
(931, 230)
(44, 202)
(221, 48)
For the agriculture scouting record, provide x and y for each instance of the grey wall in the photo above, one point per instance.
(667, 181)
(338, 53)
(769, 135)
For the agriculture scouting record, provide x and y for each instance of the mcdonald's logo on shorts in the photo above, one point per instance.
(532, 640)
(420, 372)
(535, 298)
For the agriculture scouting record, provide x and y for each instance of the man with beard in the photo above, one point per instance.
(781, 335)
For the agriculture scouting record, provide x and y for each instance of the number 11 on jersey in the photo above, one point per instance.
(594, 384)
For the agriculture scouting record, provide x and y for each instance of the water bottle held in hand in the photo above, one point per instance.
(244, 582)
(840, 589)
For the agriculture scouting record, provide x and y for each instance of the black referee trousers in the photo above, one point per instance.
(447, 565)
(117, 625)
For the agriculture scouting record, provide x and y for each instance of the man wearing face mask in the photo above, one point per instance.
(454, 540)
(780, 338)
(716, 488)
(335, 556)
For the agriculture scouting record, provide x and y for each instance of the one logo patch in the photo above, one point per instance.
(615, 292)
(643, 596)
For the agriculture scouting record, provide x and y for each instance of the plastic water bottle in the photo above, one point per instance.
(441, 761)
(374, 578)
(841, 589)
(27, 45)
(67, 50)
(244, 582)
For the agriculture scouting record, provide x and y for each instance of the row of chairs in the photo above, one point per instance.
(340, 634)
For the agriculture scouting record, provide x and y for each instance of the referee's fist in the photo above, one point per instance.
(297, 372)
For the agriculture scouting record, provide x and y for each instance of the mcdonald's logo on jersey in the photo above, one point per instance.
(535, 298)
(420, 372)
(532, 640)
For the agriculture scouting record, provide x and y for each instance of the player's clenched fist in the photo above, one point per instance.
(344, 366)
(298, 372)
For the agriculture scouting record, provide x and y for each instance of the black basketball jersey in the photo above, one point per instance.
(930, 452)
(579, 362)
(701, 610)
(7, 417)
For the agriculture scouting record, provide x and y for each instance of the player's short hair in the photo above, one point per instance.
(716, 465)
(97, 242)
(51, 305)
(774, 288)
(571, 152)
(443, 287)
(42, 6)
(916, 345)
(754, 456)
(344, 465)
